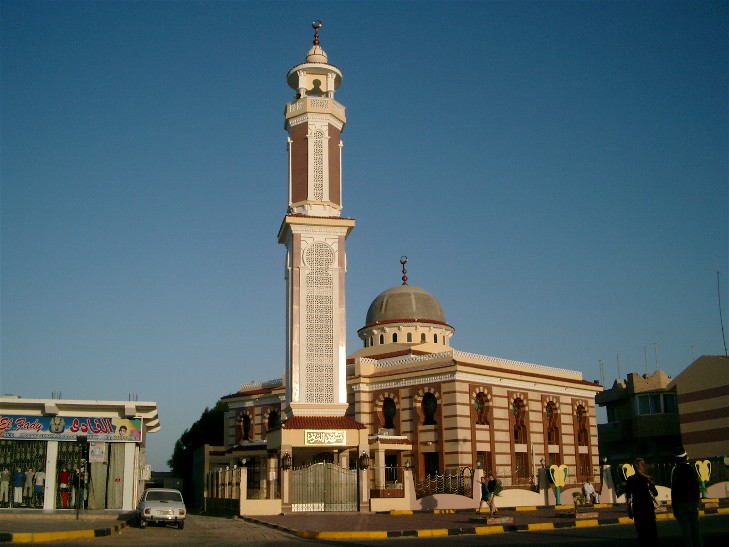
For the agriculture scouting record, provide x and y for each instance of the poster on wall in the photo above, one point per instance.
(69, 428)
(97, 452)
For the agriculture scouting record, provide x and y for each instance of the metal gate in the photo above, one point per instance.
(324, 487)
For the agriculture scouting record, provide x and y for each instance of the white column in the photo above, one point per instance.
(49, 493)
(131, 473)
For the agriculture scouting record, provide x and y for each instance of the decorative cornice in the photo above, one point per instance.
(458, 355)
(326, 117)
(488, 379)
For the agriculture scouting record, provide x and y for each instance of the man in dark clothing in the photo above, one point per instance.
(685, 496)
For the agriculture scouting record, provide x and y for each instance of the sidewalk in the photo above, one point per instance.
(34, 526)
(332, 526)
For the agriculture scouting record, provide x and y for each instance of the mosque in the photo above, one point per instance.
(406, 400)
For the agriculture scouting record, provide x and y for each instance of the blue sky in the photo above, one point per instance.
(556, 173)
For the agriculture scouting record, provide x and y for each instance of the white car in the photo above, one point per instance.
(161, 505)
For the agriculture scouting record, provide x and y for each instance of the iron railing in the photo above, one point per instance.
(453, 481)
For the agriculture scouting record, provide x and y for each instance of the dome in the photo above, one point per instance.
(405, 303)
(316, 55)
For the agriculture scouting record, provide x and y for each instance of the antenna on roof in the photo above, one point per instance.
(602, 373)
(721, 318)
(403, 261)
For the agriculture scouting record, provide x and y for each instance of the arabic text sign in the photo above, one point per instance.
(68, 428)
(328, 436)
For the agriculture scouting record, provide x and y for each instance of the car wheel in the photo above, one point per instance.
(180, 524)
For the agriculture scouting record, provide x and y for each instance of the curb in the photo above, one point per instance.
(474, 530)
(43, 537)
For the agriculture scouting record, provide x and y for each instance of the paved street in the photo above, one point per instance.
(199, 530)
(233, 531)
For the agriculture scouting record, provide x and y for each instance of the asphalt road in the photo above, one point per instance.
(228, 532)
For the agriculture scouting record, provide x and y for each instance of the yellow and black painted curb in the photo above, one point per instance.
(468, 530)
(43, 537)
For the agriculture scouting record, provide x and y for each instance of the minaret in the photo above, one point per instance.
(314, 235)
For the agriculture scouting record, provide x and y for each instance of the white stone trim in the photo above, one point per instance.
(490, 379)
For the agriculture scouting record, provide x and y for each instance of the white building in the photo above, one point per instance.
(50, 439)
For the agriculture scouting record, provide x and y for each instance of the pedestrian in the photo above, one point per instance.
(639, 495)
(588, 490)
(484, 493)
(492, 485)
(685, 499)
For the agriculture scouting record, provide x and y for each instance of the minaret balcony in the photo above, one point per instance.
(319, 105)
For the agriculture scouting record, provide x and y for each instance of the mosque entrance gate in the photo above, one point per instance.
(324, 487)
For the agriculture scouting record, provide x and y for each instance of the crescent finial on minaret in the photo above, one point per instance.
(316, 25)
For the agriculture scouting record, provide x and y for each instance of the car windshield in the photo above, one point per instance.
(164, 496)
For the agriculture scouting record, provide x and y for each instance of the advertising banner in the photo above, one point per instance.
(69, 428)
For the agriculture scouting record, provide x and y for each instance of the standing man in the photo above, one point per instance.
(685, 496)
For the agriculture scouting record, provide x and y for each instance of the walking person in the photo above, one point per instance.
(484, 493)
(685, 499)
(492, 485)
(639, 492)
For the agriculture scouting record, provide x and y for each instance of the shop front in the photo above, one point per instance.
(70, 454)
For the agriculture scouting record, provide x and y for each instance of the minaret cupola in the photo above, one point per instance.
(314, 121)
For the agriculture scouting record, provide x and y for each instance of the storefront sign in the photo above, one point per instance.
(327, 436)
(68, 428)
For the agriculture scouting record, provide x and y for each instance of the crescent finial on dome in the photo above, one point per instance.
(403, 261)
(316, 25)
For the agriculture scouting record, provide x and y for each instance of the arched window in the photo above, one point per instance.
(372, 340)
(409, 337)
(430, 407)
(394, 337)
(435, 338)
(422, 337)
(582, 434)
(382, 339)
(481, 406)
(246, 429)
(274, 421)
(389, 411)
(550, 412)
(518, 409)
